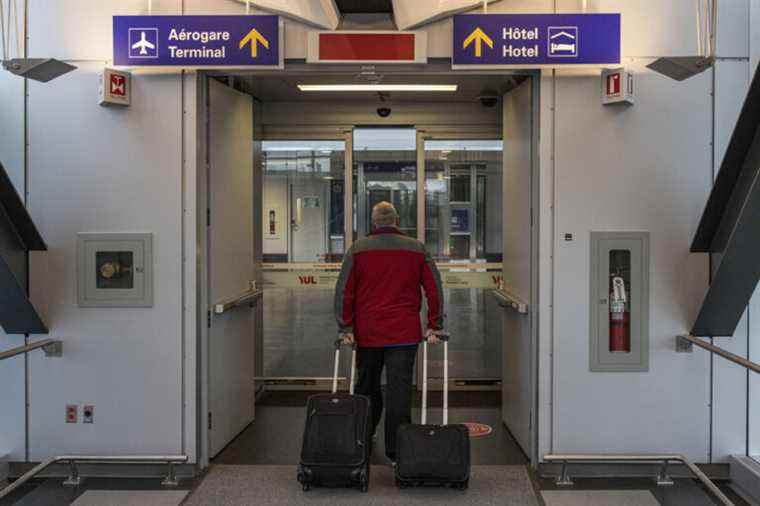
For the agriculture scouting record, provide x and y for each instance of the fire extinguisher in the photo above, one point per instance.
(271, 222)
(620, 316)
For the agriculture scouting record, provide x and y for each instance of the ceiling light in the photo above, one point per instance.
(377, 87)
(681, 67)
(38, 69)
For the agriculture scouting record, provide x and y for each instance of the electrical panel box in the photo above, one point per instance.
(115, 270)
(619, 301)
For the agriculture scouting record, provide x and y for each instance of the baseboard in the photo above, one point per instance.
(745, 477)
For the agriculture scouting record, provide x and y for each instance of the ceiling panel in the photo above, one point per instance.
(284, 87)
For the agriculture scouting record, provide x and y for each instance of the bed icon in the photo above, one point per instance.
(563, 41)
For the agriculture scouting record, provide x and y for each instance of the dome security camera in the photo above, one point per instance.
(383, 112)
(488, 100)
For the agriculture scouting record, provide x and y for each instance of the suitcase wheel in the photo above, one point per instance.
(364, 481)
(304, 477)
(463, 485)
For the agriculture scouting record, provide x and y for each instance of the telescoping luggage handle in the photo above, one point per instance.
(338, 344)
(445, 339)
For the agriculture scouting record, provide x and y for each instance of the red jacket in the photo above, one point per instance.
(378, 295)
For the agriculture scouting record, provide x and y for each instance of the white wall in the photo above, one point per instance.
(641, 168)
(102, 169)
(107, 170)
(647, 167)
(12, 371)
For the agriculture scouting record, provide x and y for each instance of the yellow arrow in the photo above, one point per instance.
(254, 37)
(479, 37)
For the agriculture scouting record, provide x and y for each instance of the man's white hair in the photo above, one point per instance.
(384, 215)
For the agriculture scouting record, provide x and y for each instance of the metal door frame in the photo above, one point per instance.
(201, 183)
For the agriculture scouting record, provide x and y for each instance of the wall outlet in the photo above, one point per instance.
(88, 413)
(72, 413)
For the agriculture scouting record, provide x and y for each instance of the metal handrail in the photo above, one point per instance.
(683, 344)
(52, 348)
(506, 299)
(249, 296)
(74, 479)
(662, 477)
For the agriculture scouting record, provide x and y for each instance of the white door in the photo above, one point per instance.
(517, 385)
(230, 264)
(309, 219)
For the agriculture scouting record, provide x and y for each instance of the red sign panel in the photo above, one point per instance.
(613, 84)
(118, 85)
(367, 47)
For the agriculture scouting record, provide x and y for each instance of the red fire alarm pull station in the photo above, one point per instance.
(115, 88)
(617, 86)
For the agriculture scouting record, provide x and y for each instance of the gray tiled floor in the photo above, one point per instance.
(599, 498)
(299, 327)
(275, 437)
(131, 498)
(277, 485)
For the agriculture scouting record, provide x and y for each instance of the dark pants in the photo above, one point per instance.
(399, 367)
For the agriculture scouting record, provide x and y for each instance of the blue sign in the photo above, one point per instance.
(460, 220)
(197, 41)
(536, 39)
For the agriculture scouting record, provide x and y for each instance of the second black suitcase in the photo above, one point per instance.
(335, 451)
(433, 454)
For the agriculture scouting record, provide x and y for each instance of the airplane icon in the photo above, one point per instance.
(143, 45)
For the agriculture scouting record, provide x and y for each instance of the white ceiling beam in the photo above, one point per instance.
(322, 14)
(408, 15)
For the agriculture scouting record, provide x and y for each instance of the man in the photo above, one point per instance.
(377, 305)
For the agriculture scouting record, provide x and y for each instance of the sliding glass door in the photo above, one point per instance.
(385, 169)
(463, 202)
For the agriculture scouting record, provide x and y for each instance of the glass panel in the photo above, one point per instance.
(620, 297)
(463, 188)
(303, 216)
(753, 397)
(303, 201)
(385, 169)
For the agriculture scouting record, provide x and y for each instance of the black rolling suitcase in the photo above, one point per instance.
(336, 445)
(436, 455)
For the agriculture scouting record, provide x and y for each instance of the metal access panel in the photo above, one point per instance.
(115, 270)
(619, 302)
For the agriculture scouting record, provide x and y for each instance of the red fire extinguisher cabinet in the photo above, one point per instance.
(619, 302)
